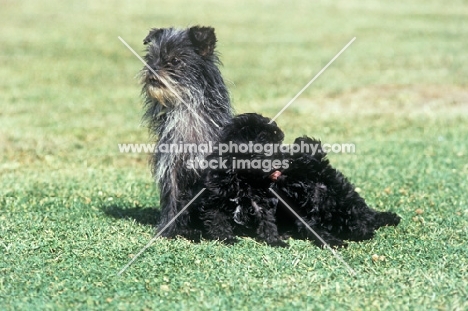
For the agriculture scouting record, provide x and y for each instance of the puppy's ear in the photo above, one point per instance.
(153, 34)
(203, 39)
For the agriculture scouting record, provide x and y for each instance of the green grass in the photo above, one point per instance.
(73, 210)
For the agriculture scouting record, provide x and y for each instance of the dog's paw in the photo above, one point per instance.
(339, 245)
(277, 243)
(333, 243)
(230, 240)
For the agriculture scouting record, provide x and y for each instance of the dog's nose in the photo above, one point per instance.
(152, 79)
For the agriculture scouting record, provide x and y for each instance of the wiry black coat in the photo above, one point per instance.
(186, 102)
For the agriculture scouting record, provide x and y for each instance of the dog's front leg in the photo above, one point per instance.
(267, 230)
(218, 226)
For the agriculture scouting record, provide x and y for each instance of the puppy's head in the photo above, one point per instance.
(252, 127)
(253, 144)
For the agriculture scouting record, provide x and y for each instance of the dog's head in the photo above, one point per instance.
(251, 143)
(178, 62)
(252, 127)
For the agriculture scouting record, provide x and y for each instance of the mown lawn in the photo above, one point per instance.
(73, 210)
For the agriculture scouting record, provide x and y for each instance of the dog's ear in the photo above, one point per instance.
(203, 39)
(153, 34)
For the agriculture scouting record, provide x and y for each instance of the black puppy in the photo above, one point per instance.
(326, 200)
(237, 200)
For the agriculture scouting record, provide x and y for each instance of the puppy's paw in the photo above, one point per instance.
(280, 243)
(277, 243)
(333, 243)
(339, 245)
(230, 240)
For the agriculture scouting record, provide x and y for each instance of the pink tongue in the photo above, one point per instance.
(274, 176)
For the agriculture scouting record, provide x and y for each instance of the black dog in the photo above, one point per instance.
(237, 200)
(186, 102)
(326, 200)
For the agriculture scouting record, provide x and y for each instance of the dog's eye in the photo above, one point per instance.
(175, 61)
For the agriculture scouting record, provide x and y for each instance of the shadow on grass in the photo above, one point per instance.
(142, 215)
